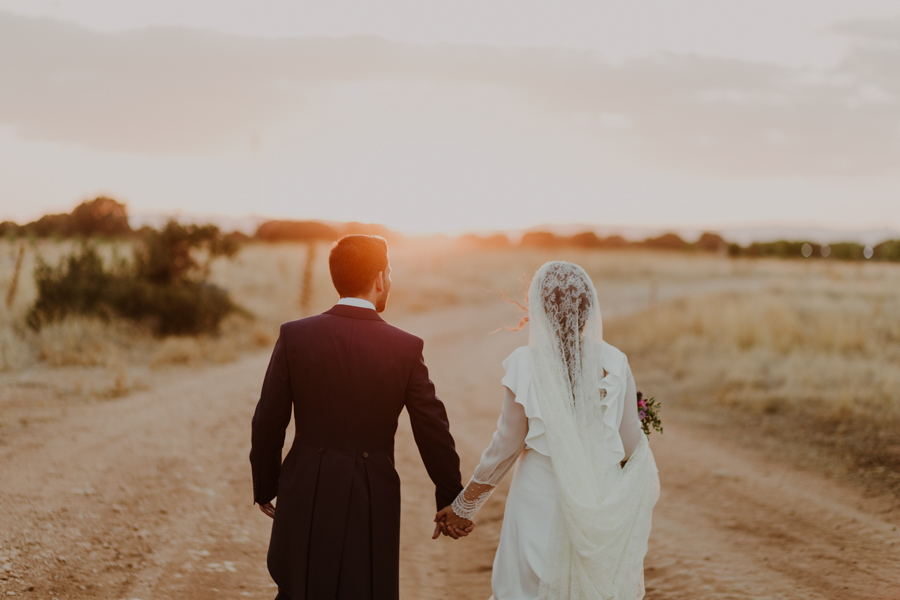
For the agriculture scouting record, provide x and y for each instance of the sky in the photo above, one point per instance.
(461, 116)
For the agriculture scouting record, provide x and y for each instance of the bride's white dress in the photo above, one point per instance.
(519, 443)
(576, 524)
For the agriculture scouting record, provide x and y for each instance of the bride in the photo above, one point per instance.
(576, 523)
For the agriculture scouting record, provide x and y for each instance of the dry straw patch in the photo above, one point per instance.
(812, 361)
(829, 353)
(87, 341)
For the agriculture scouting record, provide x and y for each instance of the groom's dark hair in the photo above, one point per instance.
(355, 261)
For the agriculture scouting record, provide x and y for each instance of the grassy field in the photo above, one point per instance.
(807, 364)
(808, 349)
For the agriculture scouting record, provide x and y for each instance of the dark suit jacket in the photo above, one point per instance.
(347, 375)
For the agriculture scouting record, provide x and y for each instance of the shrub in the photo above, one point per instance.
(164, 286)
(169, 256)
(80, 284)
(185, 308)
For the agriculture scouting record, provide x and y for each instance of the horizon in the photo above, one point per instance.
(786, 114)
(740, 233)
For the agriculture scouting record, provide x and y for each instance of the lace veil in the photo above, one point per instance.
(603, 521)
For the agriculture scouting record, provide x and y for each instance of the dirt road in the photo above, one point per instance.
(149, 497)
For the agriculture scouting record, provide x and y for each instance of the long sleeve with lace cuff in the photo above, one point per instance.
(496, 461)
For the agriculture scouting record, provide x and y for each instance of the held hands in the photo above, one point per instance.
(446, 522)
(451, 525)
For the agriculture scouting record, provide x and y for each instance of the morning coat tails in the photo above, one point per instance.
(347, 375)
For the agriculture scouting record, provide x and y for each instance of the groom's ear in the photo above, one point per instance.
(379, 282)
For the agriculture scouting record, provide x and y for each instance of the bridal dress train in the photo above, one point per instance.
(576, 523)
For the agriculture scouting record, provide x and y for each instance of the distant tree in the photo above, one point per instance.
(101, 216)
(354, 228)
(614, 241)
(303, 231)
(711, 242)
(491, 242)
(50, 225)
(9, 229)
(667, 241)
(780, 249)
(587, 239)
(237, 238)
(889, 250)
(541, 239)
(847, 251)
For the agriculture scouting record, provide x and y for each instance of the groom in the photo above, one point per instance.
(347, 375)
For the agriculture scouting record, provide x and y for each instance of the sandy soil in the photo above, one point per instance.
(149, 496)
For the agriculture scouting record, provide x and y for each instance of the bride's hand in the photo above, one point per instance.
(448, 523)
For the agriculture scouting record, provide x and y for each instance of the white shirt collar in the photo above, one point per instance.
(357, 302)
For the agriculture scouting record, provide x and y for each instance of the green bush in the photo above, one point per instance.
(779, 249)
(169, 256)
(164, 286)
(186, 308)
(889, 250)
(848, 251)
(80, 284)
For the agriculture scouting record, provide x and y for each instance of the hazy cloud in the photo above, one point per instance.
(173, 91)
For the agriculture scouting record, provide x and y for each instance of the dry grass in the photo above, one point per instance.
(809, 363)
(80, 341)
(831, 346)
(797, 332)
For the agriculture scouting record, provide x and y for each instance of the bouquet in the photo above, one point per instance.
(648, 413)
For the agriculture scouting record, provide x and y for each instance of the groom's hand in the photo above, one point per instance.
(448, 523)
(268, 509)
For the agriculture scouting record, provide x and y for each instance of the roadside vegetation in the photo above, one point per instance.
(164, 285)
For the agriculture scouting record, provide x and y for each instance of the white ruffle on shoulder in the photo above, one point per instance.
(523, 552)
(518, 380)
